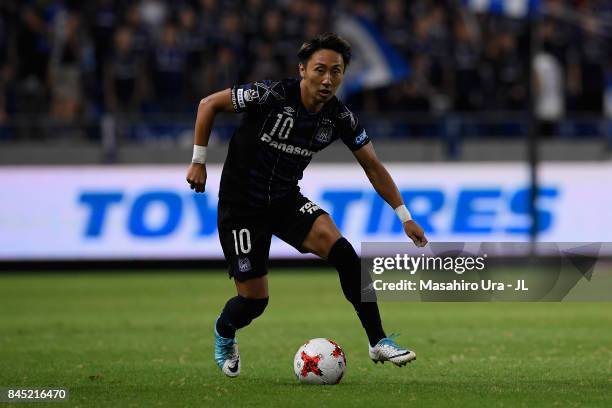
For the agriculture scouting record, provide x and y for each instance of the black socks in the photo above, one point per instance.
(344, 258)
(238, 313)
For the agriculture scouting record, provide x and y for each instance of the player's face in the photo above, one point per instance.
(323, 74)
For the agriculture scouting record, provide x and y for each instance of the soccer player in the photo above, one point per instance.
(285, 123)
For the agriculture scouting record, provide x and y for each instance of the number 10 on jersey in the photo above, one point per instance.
(242, 241)
(285, 128)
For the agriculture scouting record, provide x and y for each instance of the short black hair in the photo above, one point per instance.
(325, 41)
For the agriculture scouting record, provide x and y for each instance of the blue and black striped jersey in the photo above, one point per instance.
(277, 139)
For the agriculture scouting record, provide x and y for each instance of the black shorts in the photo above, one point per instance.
(246, 233)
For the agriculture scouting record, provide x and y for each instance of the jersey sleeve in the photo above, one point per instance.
(257, 96)
(352, 132)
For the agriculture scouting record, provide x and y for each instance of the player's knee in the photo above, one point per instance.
(324, 239)
(251, 288)
(329, 236)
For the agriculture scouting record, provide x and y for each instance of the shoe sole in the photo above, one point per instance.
(399, 362)
(232, 375)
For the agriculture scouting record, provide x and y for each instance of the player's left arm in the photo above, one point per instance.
(385, 186)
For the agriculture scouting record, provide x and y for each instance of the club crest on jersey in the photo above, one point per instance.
(244, 265)
(251, 95)
(324, 135)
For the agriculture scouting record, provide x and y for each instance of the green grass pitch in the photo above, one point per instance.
(123, 340)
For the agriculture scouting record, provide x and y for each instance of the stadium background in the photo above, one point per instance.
(489, 114)
(443, 88)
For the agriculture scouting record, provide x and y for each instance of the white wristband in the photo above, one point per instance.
(403, 214)
(199, 154)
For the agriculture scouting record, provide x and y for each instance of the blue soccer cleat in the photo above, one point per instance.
(388, 350)
(226, 354)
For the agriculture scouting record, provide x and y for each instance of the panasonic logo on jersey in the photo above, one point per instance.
(287, 148)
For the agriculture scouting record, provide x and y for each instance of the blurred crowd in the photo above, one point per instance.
(74, 59)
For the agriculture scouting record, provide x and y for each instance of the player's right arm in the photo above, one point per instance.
(207, 110)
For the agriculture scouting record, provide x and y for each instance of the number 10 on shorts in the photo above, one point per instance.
(242, 241)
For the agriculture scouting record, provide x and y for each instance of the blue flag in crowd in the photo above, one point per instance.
(374, 63)
(510, 8)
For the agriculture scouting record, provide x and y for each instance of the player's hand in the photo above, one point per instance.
(415, 233)
(196, 177)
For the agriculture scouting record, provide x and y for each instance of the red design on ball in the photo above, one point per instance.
(311, 365)
(337, 351)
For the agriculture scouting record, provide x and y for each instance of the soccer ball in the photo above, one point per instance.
(319, 361)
